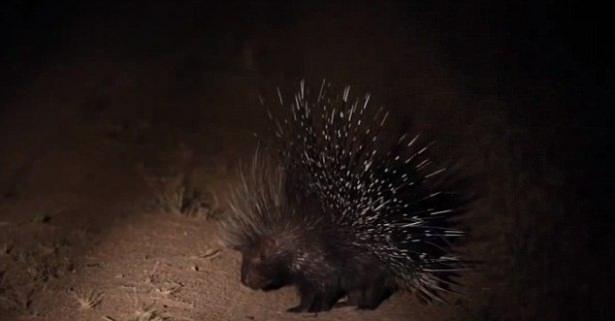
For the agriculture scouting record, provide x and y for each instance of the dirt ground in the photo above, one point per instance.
(121, 131)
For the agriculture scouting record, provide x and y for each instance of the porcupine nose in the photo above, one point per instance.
(250, 282)
(248, 279)
(244, 276)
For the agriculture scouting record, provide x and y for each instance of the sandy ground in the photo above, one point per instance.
(168, 267)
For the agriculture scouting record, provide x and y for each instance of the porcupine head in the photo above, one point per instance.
(263, 226)
(284, 237)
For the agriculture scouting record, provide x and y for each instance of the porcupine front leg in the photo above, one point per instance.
(370, 297)
(325, 300)
(307, 294)
(317, 299)
(371, 293)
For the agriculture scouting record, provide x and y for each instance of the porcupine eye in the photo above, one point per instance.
(265, 250)
(262, 257)
(259, 258)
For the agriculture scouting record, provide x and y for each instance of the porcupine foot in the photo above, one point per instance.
(316, 300)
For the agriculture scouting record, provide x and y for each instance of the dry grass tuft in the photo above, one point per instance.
(89, 300)
(169, 288)
(147, 314)
(172, 194)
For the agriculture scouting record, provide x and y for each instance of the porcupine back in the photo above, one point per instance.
(394, 200)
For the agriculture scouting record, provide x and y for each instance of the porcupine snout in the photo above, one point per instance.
(259, 271)
(251, 278)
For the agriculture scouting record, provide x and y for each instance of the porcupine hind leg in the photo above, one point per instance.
(317, 299)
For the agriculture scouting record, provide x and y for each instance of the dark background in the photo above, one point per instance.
(548, 64)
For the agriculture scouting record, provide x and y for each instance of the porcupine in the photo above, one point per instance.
(326, 210)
